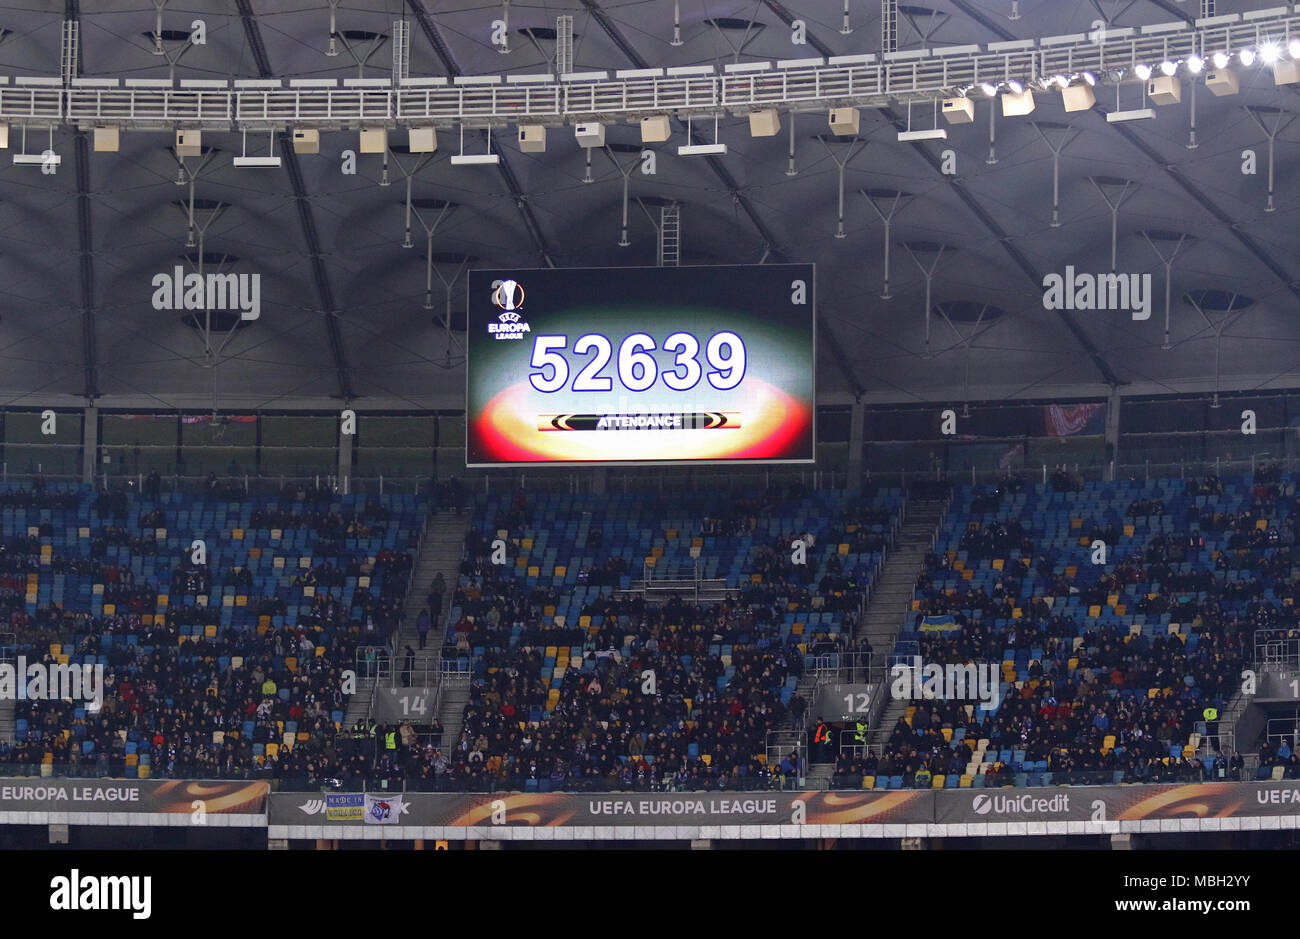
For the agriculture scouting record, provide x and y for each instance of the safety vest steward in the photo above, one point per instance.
(1210, 714)
(390, 740)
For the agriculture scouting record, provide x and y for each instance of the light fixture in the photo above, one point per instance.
(1221, 59)
(373, 140)
(1247, 57)
(1221, 82)
(1017, 104)
(1090, 78)
(1168, 68)
(655, 129)
(106, 139)
(1270, 52)
(244, 161)
(422, 139)
(1165, 90)
(764, 123)
(1060, 81)
(1078, 97)
(1142, 71)
(958, 110)
(703, 149)
(1194, 64)
(988, 88)
(474, 159)
(1294, 48)
(306, 140)
(1015, 87)
(844, 122)
(189, 143)
(532, 138)
(1286, 73)
(1140, 114)
(589, 134)
(48, 158)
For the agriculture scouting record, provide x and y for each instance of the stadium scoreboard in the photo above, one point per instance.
(641, 365)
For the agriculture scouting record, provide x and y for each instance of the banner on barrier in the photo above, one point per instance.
(847, 807)
(133, 796)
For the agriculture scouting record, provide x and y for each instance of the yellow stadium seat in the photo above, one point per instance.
(965, 781)
(938, 781)
(657, 551)
(210, 630)
(561, 570)
(534, 571)
(548, 610)
(868, 782)
(842, 548)
(272, 750)
(144, 770)
(1129, 530)
(947, 733)
(708, 759)
(796, 629)
(584, 621)
(526, 544)
(237, 534)
(1094, 610)
(997, 564)
(291, 663)
(55, 648)
(1261, 524)
(1071, 571)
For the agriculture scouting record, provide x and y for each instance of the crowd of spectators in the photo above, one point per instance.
(1098, 701)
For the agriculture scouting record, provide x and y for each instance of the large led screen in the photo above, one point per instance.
(640, 365)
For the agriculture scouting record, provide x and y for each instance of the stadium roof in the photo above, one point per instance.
(343, 302)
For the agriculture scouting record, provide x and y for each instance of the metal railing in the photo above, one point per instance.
(1276, 650)
(494, 100)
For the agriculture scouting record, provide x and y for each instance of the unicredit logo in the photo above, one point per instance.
(1026, 804)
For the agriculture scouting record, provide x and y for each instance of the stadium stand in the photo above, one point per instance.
(1105, 668)
(230, 668)
(595, 596)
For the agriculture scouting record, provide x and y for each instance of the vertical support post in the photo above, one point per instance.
(345, 460)
(856, 417)
(1112, 431)
(89, 442)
